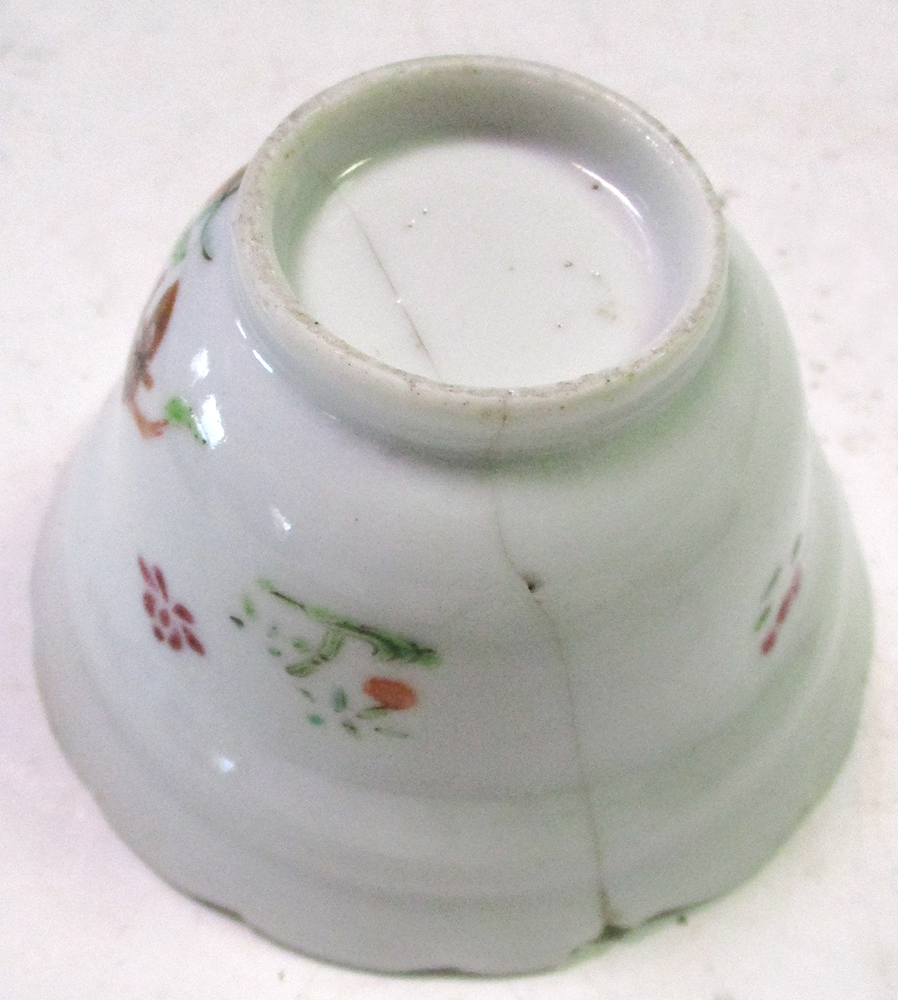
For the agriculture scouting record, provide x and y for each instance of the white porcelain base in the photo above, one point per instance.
(463, 678)
(318, 896)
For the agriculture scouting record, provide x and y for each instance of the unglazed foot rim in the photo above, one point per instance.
(539, 104)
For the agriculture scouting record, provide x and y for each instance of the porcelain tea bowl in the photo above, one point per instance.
(454, 578)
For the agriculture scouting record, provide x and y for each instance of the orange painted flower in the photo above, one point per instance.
(397, 696)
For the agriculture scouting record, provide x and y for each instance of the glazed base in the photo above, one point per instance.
(666, 850)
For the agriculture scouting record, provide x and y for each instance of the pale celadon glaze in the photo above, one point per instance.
(414, 674)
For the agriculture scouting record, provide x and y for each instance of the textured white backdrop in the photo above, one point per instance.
(116, 122)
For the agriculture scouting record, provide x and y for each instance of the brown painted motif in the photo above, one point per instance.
(154, 323)
(138, 375)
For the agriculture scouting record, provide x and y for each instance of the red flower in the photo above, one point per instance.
(395, 695)
(791, 594)
(171, 623)
(769, 640)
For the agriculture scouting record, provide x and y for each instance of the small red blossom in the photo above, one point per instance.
(397, 696)
(171, 624)
(769, 640)
(789, 599)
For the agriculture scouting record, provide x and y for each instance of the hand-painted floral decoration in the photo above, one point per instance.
(154, 323)
(778, 603)
(370, 704)
(203, 220)
(149, 338)
(172, 623)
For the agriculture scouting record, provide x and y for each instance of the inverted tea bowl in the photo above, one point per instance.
(453, 577)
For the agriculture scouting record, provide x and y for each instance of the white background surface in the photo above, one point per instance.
(117, 120)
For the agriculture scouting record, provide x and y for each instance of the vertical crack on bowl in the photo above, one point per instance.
(533, 584)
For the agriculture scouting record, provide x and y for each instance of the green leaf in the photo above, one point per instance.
(280, 595)
(305, 668)
(339, 699)
(765, 614)
(209, 214)
(374, 712)
(328, 648)
(316, 720)
(768, 589)
(178, 411)
(331, 644)
(384, 645)
(179, 251)
(210, 211)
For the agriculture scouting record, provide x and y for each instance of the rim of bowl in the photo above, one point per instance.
(471, 92)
